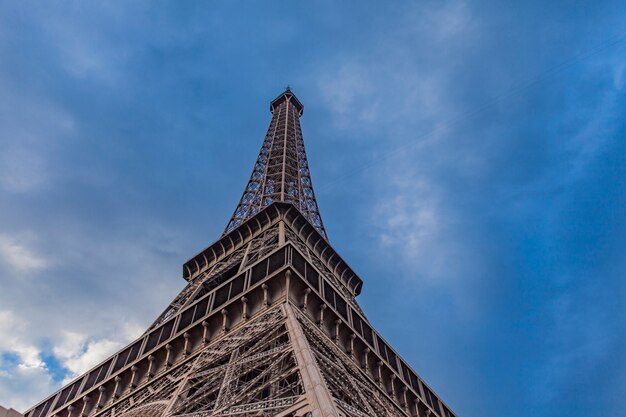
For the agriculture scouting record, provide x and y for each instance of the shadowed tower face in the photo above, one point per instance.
(267, 325)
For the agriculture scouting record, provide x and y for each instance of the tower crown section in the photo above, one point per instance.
(288, 97)
(281, 172)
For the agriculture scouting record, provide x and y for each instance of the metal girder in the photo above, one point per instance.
(348, 385)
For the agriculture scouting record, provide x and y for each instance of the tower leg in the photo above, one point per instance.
(322, 404)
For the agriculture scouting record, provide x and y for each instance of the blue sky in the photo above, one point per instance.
(468, 159)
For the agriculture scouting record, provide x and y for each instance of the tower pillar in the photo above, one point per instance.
(316, 390)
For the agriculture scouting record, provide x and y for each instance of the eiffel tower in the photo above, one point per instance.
(267, 325)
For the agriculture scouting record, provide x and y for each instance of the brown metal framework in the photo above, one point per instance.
(281, 172)
(268, 325)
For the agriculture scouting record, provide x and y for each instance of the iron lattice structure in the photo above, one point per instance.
(268, 324)
(281, 172)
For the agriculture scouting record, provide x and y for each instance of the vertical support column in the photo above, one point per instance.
(350, 352)
(186, 349)
(244, 308)
(281, 233)
(133, 375)
(287, 284)
(116, 393)
(365, 364)
(335, 335)
(151, 366)
(99, 403)
(305, 298)
(205, 332)
(320, 320)
(168, 356)
(224, 321)
(284, 161)
(320, 399)
(85, 408)
(266, 295)
(405, 402)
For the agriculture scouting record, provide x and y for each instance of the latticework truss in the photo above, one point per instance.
(251, 372)
(254, 373)
(281, 172)
(353, 392)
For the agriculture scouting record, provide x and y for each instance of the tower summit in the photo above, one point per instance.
(267, 325)
(281, 172)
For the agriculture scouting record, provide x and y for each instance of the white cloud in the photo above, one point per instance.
(25, 378)
(21, 383)
(21, 258)
(82, 312)
(12, 335)
(131, 331)
(21, 387)
(78, 354)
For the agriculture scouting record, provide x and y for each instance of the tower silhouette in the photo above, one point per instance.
(267, 325)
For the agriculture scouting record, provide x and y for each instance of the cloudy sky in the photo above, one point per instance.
(469, 159)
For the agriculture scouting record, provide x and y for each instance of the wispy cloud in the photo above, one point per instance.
(32, 132)
(19, 257)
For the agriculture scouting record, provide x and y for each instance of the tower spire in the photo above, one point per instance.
(281, 172)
